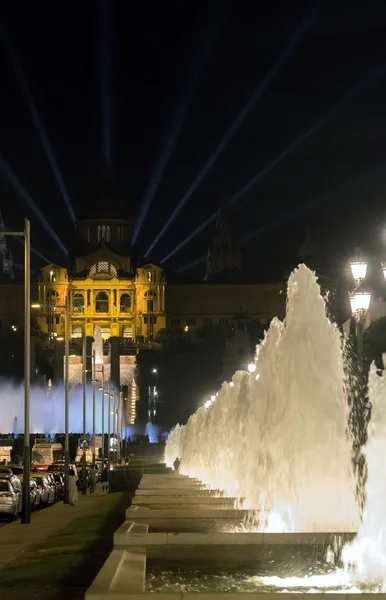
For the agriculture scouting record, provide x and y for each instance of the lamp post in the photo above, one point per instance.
(360, 301)
(108, 422)
(26, 505)
(66, 306)
(93, 406)
(84, 482)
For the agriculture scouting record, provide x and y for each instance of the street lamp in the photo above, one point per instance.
(251, 367)
(360, 302)
(26, 505)
(358, 269)
(66, 306)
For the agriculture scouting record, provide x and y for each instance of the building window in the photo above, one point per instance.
(191, 322)
(207, 321)
(176, 322)
(77, 331)
(78, 303)
(125, 304)
(107, 233)
(102, 303)
(105, 332)
(103, 267)
(127, 332)
(223, 322)
(57, 320)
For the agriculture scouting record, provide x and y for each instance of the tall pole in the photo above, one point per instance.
(114, 431)
(103, 417)
(84, 482)
(66, 400)
(108, 424)
(26, 505)
(93, 406)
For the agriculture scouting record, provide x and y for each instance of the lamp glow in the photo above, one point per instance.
(213, 398)
(251, 367)
(208, 403)
(358, 269)
(360, 299)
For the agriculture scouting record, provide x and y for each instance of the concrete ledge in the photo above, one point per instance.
(144, 512)
(187, 500)
(122, 574)
(196, 491)
(126, 536)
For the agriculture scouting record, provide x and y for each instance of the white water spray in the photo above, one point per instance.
(278, 437)
(366, 555)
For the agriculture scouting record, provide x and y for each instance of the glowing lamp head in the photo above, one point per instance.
(358, 269)
(213, 398)
(154, 370)
(251, 367)
(231, 384)
(360, 299)
(208, 403)
(186, 328)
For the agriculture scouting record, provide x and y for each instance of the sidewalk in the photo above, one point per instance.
(15, 538)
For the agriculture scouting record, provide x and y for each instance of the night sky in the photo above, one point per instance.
(155, 87)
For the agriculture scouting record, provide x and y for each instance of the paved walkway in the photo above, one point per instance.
(16, 538)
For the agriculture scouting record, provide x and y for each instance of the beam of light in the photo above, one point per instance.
(20, 240)
(234, 128)
(176, 122)
(191, 236)
(320, 200)
(24, 195)
(22, 82)
(302, 209)
(323, 119)
(292, 147)
(105, 51)
(192, 264)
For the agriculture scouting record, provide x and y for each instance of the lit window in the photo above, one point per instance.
(77, 331)
(102, 303)
(78, 303)
(125, 304)
(103, 267)
(127, 331)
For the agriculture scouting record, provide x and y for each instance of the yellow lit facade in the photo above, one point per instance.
(132, 309)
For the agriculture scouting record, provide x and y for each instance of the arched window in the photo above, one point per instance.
(150, 297)
(103, 267)
(102, 303)
(78, 303)
(125, 304)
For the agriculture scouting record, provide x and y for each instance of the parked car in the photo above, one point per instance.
(16, 486)
(47, 494)
(51, 480)
(59, 482)
(9, 500)
(34, 493)
(16, 469)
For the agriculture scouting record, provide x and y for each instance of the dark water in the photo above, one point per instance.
(184, 580)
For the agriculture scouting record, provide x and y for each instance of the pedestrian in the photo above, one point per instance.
(105, 479)
(72, 487)
(92, 479)
(177, 464)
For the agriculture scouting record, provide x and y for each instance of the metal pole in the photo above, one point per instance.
(108, 425)
(66, 400)
(93, 407)
(26, 505)
(84, 483)
(360, 346)
(114, 431)
(103, 417)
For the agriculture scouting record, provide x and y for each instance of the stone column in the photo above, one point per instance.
(115, 356)
(89, 330)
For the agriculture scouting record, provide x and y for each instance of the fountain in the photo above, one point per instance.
(278, 436)
(366, 556)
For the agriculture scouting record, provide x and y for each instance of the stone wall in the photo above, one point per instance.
(127, 370)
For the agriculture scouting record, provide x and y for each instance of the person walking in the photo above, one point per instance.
(105, 479)
(177, 464)
(72, 487)
(92, 479)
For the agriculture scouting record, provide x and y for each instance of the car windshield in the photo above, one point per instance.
(4, 486)
(57, 477)
(17, 470)
(38, 480)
